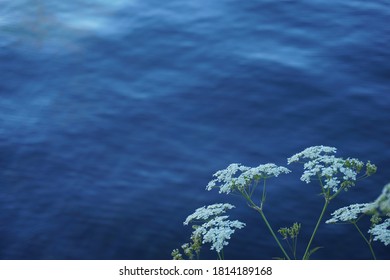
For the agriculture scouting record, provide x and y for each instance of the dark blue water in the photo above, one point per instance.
(115, 114)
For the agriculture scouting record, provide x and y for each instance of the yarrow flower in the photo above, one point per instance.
(237, 176)
(349, 213)
(381, 232)
(215, 229)
(333, 172)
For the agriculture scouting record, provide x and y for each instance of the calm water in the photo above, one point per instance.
(115, 114)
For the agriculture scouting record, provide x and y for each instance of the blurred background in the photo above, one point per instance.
(115, 114)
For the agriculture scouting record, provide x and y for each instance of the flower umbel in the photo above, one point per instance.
(238, 177)
(226, 178)
(334, 173)
(204, 213)
(291, 232)
(312, 153)
(215, 229)
(381, 232)
(349, 213)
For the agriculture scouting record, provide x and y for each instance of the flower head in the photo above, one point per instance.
(237, 176)
(216, 229)
(225, 179)
(312, 153)
(204, 213)
(349, 213)
(333, 172)
(381, 232)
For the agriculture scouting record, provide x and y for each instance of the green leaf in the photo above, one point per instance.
(311, 252)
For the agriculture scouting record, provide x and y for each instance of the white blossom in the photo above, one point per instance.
(349, 213)
(237, 176)
(264, 171)
(205, 213)
(217, 231)
(381, 232)
(321, 164)
(311, 153)
(226, 177)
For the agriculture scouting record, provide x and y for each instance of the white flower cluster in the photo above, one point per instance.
(380, 207)
(204, 213)
(216, 229)
(312, 153)
(265, 171)
(349, 213)
(331, 169)
(227, 180)
(381, 232)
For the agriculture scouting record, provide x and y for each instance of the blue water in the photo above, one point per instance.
(115, 114)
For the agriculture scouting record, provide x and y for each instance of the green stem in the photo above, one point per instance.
(336, 193)
(365, 239)
(220, 255)
(295, 246)
(263, 195)
(272, 232)
(305, 255)
(260, 210)
(289, 245)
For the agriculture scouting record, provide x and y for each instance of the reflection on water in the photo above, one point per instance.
(51, 25)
